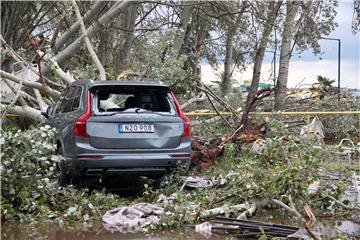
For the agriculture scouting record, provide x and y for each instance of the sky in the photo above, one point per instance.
(304, 68)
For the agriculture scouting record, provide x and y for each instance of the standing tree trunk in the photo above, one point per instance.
(201, 34)
(259, 56)
(285, 54)
(226, 86)
(129, 23)
(185, 18)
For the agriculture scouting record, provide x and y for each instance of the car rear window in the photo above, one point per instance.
(110, 99)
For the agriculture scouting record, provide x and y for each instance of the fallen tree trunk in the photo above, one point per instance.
(95, 9)
(91, 31)
(30, 84)
(89, 47)
(25, 111)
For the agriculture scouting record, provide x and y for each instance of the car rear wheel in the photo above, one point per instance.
(64, 179)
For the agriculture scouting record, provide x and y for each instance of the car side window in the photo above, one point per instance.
(66, 103)
(59, 101)
(75, 99)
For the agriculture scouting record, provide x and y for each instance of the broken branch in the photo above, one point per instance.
(89, 47)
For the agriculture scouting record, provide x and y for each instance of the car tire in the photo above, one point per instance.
(64, 179)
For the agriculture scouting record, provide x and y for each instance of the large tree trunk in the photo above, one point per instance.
(185, 18)
(201, 34)
(74, 47)
(285, 54)
(129, 23)
(89, 46)
(226, 86)
(259, 56)
(89, 15)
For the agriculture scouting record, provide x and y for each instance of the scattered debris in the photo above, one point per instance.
(204, 229)
(307, 224)
(302, 233)
(249, 212)
(356, 181)
(132, 218)
(258, 146)
(224, 210)
(315, 129)
(197, 182)
(314, 187)
(246, 228)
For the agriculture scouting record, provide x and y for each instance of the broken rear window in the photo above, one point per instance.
(133, 99)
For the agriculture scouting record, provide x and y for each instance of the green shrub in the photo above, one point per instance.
(28, 182)
(27, 167)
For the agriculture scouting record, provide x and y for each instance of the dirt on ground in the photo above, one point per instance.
(205, 152)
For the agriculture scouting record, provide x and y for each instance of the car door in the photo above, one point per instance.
(54, 118)
(65, 112)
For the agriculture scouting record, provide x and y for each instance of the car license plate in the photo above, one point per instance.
(136, 128)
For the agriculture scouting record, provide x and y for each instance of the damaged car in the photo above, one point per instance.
(111, 129)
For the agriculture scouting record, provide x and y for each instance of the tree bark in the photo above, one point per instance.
(24, 111)
(89, 47)
(259, 56)
(95, 9)
(54, 66)
(226, 86)
(201, 34)
(179, 39)
(62, 56)
(285, 54)
(30, 84)
(124, 53)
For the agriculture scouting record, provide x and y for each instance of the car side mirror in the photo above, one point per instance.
(45, 111)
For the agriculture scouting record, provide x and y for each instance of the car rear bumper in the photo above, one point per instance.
(125, 164)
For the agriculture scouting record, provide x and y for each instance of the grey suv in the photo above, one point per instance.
(109, 129)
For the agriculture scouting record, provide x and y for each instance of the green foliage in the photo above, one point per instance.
(26, 167)
(154, 61)
(28, 182)
(283, 168)
(323, 86)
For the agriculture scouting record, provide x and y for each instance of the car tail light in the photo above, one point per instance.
(80, 122)
(186, 121)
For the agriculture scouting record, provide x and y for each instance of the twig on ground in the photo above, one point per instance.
(249, 212)
(298, 216)
(341, 204)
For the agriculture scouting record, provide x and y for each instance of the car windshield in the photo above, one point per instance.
(139, 99)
